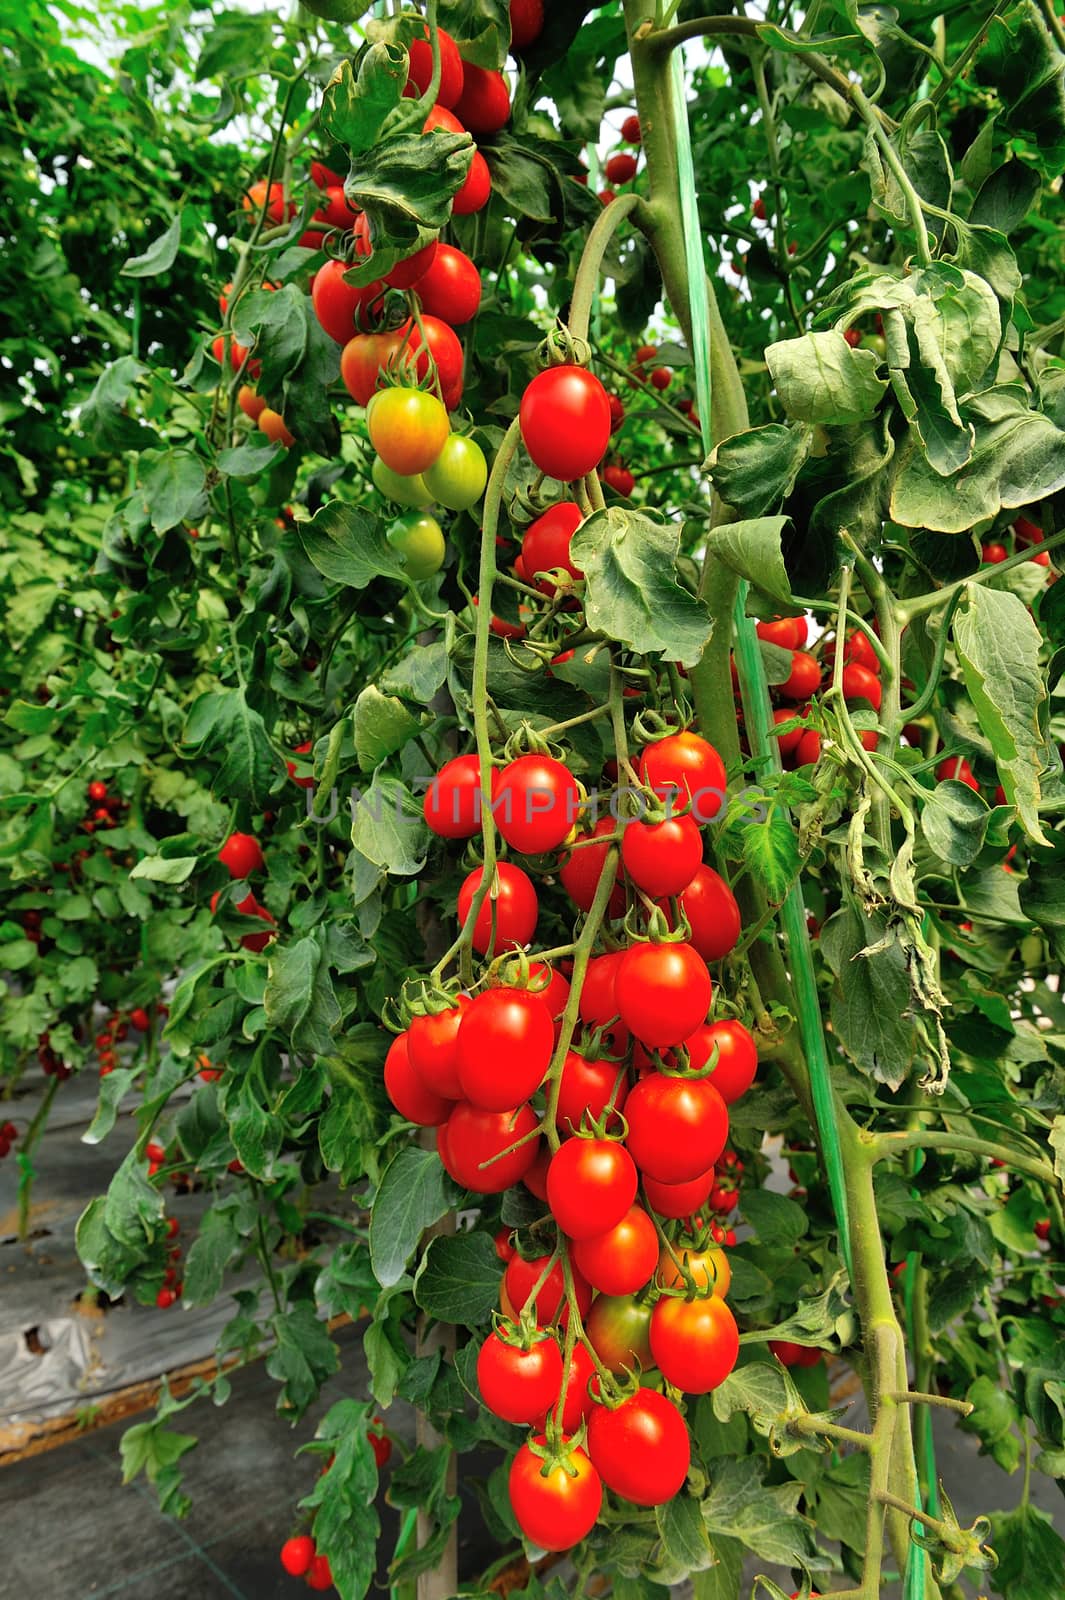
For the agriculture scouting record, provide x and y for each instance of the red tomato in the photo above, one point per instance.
(958, 768)
(553, 990)
(684, 767)
(787, 632)
(583, 867)
(678, 1199)
(535, 1180)
(320, 1575)
(451, 288)
(630, 129)
(857, 648)
(324, 177)
(677, 1126)
(526, 22)
(554, 1506)
(789, 742)
(565, 422)
(519, 1384)
(420, 69)
(617, 412)
(362, 361)
(588, 1086)
(504, 1047)
(521, 1278)
(278, 210)
(253, 405)
(712, 914)
(640, 1448)
(620, 479)
(474, 1140)
(661, 377)
(1027, 532)
(577, 1401)
(443, 347)
(474, 193)
(694, 1342)
(408, 274)
(737, 1057)
(337, 212)
(794, 1355)
(545, 546)
(620, 168)
(804, 678)
(452, 804)
(662, 858)
(241, 855)
(663, 992)
(484, 106)
(297, 1554)
(410, 1096)
(622, 1259)
(808, 749)
(598, 1003)
(591, 1183)
(861, 684)
(618, 1329)
(535, 801)
(432, 1048)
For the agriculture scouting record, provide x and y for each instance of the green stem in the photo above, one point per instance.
(907, 610)
(29, 1143)
(892, 1144)
(587, 279)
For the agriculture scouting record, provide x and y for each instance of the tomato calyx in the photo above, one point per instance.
(422, 999)
(651, 925)
(555, 1448)
(524, 1332)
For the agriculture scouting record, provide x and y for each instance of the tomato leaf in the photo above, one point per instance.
(222, 724)
(217, 1242)
(388, 827)
(303, 1357)
(762, 1517)
(354, 109)
(1021, 61)
(346, 1523)
(821, 378)
(752, 548)
(683, 1533)
(631, 589)
(480, 28)
(755, 471)
(954, 821)
(300, 999)
(382, 725)
(413, 1195)
(871, 1000)
(458, 1278)
(348, 545)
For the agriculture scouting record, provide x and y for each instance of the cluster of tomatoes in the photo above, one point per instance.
(170, 1292)
(51, 1064)
(102, 809)
(300, 1555)
(115, 1031)
(242, 855)
(612, 1306)
(1025, 534)
(800, 745)
(621, 167)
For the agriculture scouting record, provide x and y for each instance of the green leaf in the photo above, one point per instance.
(345, 11)
(458, 1278)
(346, 1523)
(740, 1506)
(418, 674)
(405, 182)
(300, 999)
(870, 1004)
(1031, 1555)
(413, 1195)
(354, 109)
(954, 821)
(998, 646)
(820, 378)
(996, 1419)
(774, 1217)
(247, 460)
(755, 471)
(382, 725)
(348, 545)
(302, 1359)
(683, 1533)
(161, 869)
(113, 1090)
(159, 256)
(480, 28)
(1005, 197)
(771, 852)
(752, 549)
(172, 488)
(1021, 62)
(223, 725)
(104, 415)
(631, 588)
(388, 827)
(211, 1252)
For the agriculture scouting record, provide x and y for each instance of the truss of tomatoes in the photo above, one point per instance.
(612, 1317)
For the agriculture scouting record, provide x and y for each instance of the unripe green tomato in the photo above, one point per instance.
(458, 475)
(875, 342)
(404, 491)
(420, 541)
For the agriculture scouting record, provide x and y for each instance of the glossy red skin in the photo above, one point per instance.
(620, 479)
(618, 1330)
(520, 1280)
(677, 1200)
(993, 553)
(504, 1047)
(787, 632)
(794, 1355)
(320, 1576)
(474, 1135)
(858, 649)
(324, 177)
(535, 802)
(411, 1098)
(591, 1183)
(556, 993)
(712, 914)
(677, 1126)
(958, 768)
(432, 1047)
(526, 22)
(337, 212)
(545, 546)
(663, 992)
(662, 858)
(1027, 532)
(241, 855)
(598, 1002)
(789, 742)
(408, 274)
(565, 422)
(556, 1511)
(695, 1343)
(451, 287)
(452, 802)
(363, 360)
(804, 678)
(737, 1056)
(519, 1385)
(661, 377)
(587, 1086)
(808, 749)
(620, 168)
(297, 1555)
(860, 684)
(623, 1258)
(484, 105)
(580, 872)
(630, 129)
(452, 71)
(535, 1180)
(640, 1448)
(685, 768)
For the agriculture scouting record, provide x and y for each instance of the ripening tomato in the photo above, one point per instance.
(861, 684)
(591, 1086)
(630, 129)
(622, 1258)
(277, 210)
(787, 632)
(686, 769)
(252, 404)
(694, 1342)
(808, 749)
(410, 1096)
(507, 916)
(709, 1269)
(640, 1448)
(618, 1329)
(452, 804)
(363, 360)
(526, 23)
(677, 1200)
(272, 423)
(458, 475)
(662, 858)
(239, 356)
(565, 422)
(620, 168)
(804, 678)
(451, 288)
(555, 1503)
(419, 541)
(432, 1045)
(404, 491)
(583, 867)
(337, 304)
(677, 1126)
(519, 1383)
(297, 1554)
(591, 1183)
(545, 546)
(407, 428)
(958, 768)
(242, 855)
(620, 479)
(794, 1355)
(712, 914)
(535, 801)
(737, 1056)
(504, 1047)
(484, 105)
(521, 1278)
(475, 1141)
(420, 67)
(663, 992)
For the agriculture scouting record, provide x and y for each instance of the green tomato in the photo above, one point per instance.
(875, 342)
(404, 491)
(420, 541)
(458, 475)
